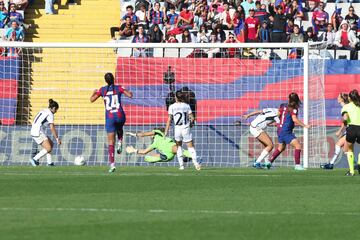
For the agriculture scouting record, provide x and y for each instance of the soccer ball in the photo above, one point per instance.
(79, 161)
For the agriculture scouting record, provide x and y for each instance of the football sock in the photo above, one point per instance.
(34, 149)
(297, 156)
(120, 133)
(263, 154)
(336, 154)
(152, 159)
(275, 154)
(40, 154)
(48, 158)
(180, 157)
(193, 155)
(350, 158)
(111, 152)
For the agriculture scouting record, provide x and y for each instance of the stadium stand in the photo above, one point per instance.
(83, 22)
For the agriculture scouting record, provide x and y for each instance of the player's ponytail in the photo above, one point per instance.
(344, 97)
(109, 78)
(53, 104)
(354, 97)
(294, 100)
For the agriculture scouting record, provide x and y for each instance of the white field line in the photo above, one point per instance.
(119, 174)
(167, 211)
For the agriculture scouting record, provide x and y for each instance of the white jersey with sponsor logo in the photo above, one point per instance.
(180, 112)
(41, 121)
(268, 116)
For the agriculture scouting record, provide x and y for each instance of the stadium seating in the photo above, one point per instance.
(84, 22)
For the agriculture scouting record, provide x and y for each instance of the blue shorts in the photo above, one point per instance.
(286, 137)
(114, 125)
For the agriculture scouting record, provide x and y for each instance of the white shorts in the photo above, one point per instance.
(183, 134)
(42, 137)
(255, 131)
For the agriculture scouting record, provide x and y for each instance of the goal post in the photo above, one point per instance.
(226, 79)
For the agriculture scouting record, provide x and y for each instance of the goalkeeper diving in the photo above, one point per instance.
(165, 146)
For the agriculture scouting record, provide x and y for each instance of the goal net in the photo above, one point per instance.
(223, 82)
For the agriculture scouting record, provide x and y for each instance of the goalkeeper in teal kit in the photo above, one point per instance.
(164, 145)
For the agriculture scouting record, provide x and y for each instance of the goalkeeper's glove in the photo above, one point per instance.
(131, 134)
(131, 149)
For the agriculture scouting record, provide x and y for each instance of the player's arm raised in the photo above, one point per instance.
(128, 93)
(131, 149)
(246, 116)
(298, 122)
(95, 95)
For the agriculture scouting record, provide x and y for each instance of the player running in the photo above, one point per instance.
(351, 116)
(166, 146)
(343, 99)
(264, 118)
(288, 118)
(114, 114)
(43, 119)
(183, 120)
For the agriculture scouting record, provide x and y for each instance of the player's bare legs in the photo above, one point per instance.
(179, 155)
(281, 147)
(266, 141)
(296, 144)
(190, 146)
(47, 145)
(119, 133)
(111, 150)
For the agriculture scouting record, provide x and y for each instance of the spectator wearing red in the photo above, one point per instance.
(186, 18)
(320, 18)
(231, 52)
(252, 26)
(227, 17)
(170, 38)
(345, 38)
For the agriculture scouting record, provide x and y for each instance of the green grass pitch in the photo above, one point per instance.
(164, 203)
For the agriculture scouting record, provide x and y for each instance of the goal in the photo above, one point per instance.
(225, 80)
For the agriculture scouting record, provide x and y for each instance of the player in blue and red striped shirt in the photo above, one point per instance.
(288, 117)
(114, 114)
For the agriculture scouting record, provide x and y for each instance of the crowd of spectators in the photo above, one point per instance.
(204, 21)
(12, 23)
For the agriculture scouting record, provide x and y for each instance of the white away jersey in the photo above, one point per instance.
(268, 116)
(180, 112)
(41, 121)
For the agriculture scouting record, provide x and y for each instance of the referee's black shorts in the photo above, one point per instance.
(353, 134)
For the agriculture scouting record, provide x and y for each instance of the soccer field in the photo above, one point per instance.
(164, 203)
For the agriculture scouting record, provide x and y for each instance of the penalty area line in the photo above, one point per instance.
(169, 211)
